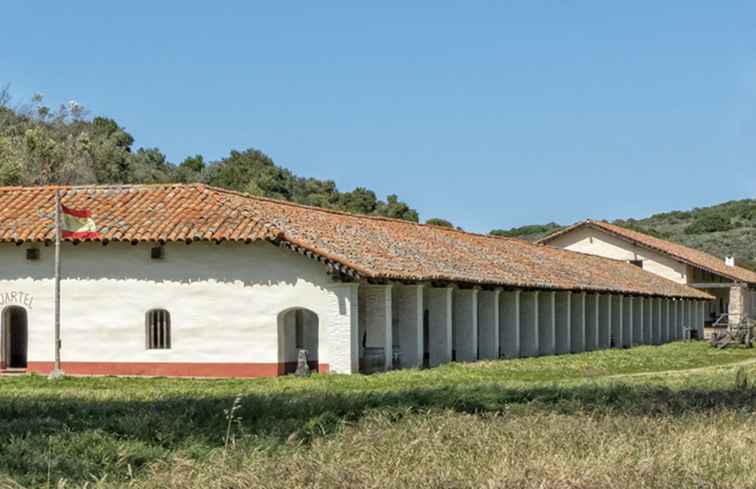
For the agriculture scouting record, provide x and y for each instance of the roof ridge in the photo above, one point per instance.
(354, 214)
(204, 186)
(97, 186)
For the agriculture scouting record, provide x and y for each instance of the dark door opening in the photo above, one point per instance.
(15, 331)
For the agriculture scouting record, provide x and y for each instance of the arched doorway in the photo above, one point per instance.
(297, 330)
(15, 337)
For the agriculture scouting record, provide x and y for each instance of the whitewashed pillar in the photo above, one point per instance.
(606, 321)
(592, 315)
(465, 326)
(488, 324)
(674, 320)
(509, 323)
(627, 322)
(563, 317)
(342, 340)
(377, 318)
(617, 317)
(409, 301)
(638, 315)
(547, 323)
(648, 320)
(658, 327)
(438, 301)
(578, 323)
(668, 317)
(529, 322)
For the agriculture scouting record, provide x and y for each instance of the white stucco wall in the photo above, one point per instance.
(224, 301)
(596, 242)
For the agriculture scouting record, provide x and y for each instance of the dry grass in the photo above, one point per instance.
(684, 428)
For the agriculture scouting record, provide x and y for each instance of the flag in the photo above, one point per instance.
(77, 224)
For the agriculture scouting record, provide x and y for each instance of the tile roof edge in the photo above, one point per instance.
(598, 225)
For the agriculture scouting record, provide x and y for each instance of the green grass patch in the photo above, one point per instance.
(304, 432)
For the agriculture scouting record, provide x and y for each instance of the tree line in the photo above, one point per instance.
(40, 145)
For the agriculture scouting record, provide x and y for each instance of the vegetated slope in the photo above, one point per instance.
(727, 229)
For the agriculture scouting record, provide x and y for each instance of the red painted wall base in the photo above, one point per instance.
(219, 370)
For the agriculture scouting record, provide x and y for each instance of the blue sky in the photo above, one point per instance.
(489, 114)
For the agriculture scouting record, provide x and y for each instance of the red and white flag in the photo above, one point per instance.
(77, 224)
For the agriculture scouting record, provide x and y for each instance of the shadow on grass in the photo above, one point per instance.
(80, 438)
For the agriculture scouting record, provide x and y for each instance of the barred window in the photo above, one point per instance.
(158, 329)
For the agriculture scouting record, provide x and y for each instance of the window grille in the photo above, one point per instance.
(158, 329)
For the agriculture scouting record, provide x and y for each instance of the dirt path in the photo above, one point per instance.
(741, 363)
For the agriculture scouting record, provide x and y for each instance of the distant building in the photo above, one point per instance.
(189, 280)
(733, 287)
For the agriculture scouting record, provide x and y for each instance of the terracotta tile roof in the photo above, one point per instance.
(373, 247)
(690, 256)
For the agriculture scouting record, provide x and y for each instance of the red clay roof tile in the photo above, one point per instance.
(373, 247)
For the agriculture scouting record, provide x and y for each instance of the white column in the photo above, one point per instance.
(700, 319)
(617, 316)
(627, 322)
(648, 320)
(376, 317)
(578, 323)
(592, 315)
(509, 323)
(668, 317)
(563, 317)
(606, 320)
(546, 323)
(529, 322)
(658, 327)
(674, 320)
(438, 301)
(638, 315)
(342, 334)
(465, 325)
(488, 324)
(409, 301)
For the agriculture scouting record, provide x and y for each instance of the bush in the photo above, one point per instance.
(437, 221)
(709, 224)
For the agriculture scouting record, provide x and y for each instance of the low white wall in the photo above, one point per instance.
(224, 300)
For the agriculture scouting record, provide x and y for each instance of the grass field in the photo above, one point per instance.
(661, 417)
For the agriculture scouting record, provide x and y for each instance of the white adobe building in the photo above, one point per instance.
(189, 280)
(733, 287)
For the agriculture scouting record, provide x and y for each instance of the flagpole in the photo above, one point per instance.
(57, 371)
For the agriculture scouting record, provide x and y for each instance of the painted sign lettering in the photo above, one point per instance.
(16, 298)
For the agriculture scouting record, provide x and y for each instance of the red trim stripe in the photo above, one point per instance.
(161, 369)
(81, 234)
(80, 213)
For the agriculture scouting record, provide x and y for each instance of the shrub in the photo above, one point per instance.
(709, 224)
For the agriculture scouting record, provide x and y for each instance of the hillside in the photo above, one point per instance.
(727, 229)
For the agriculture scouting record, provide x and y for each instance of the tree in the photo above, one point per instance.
(397, 209)
(437, 221)
(40, 145)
